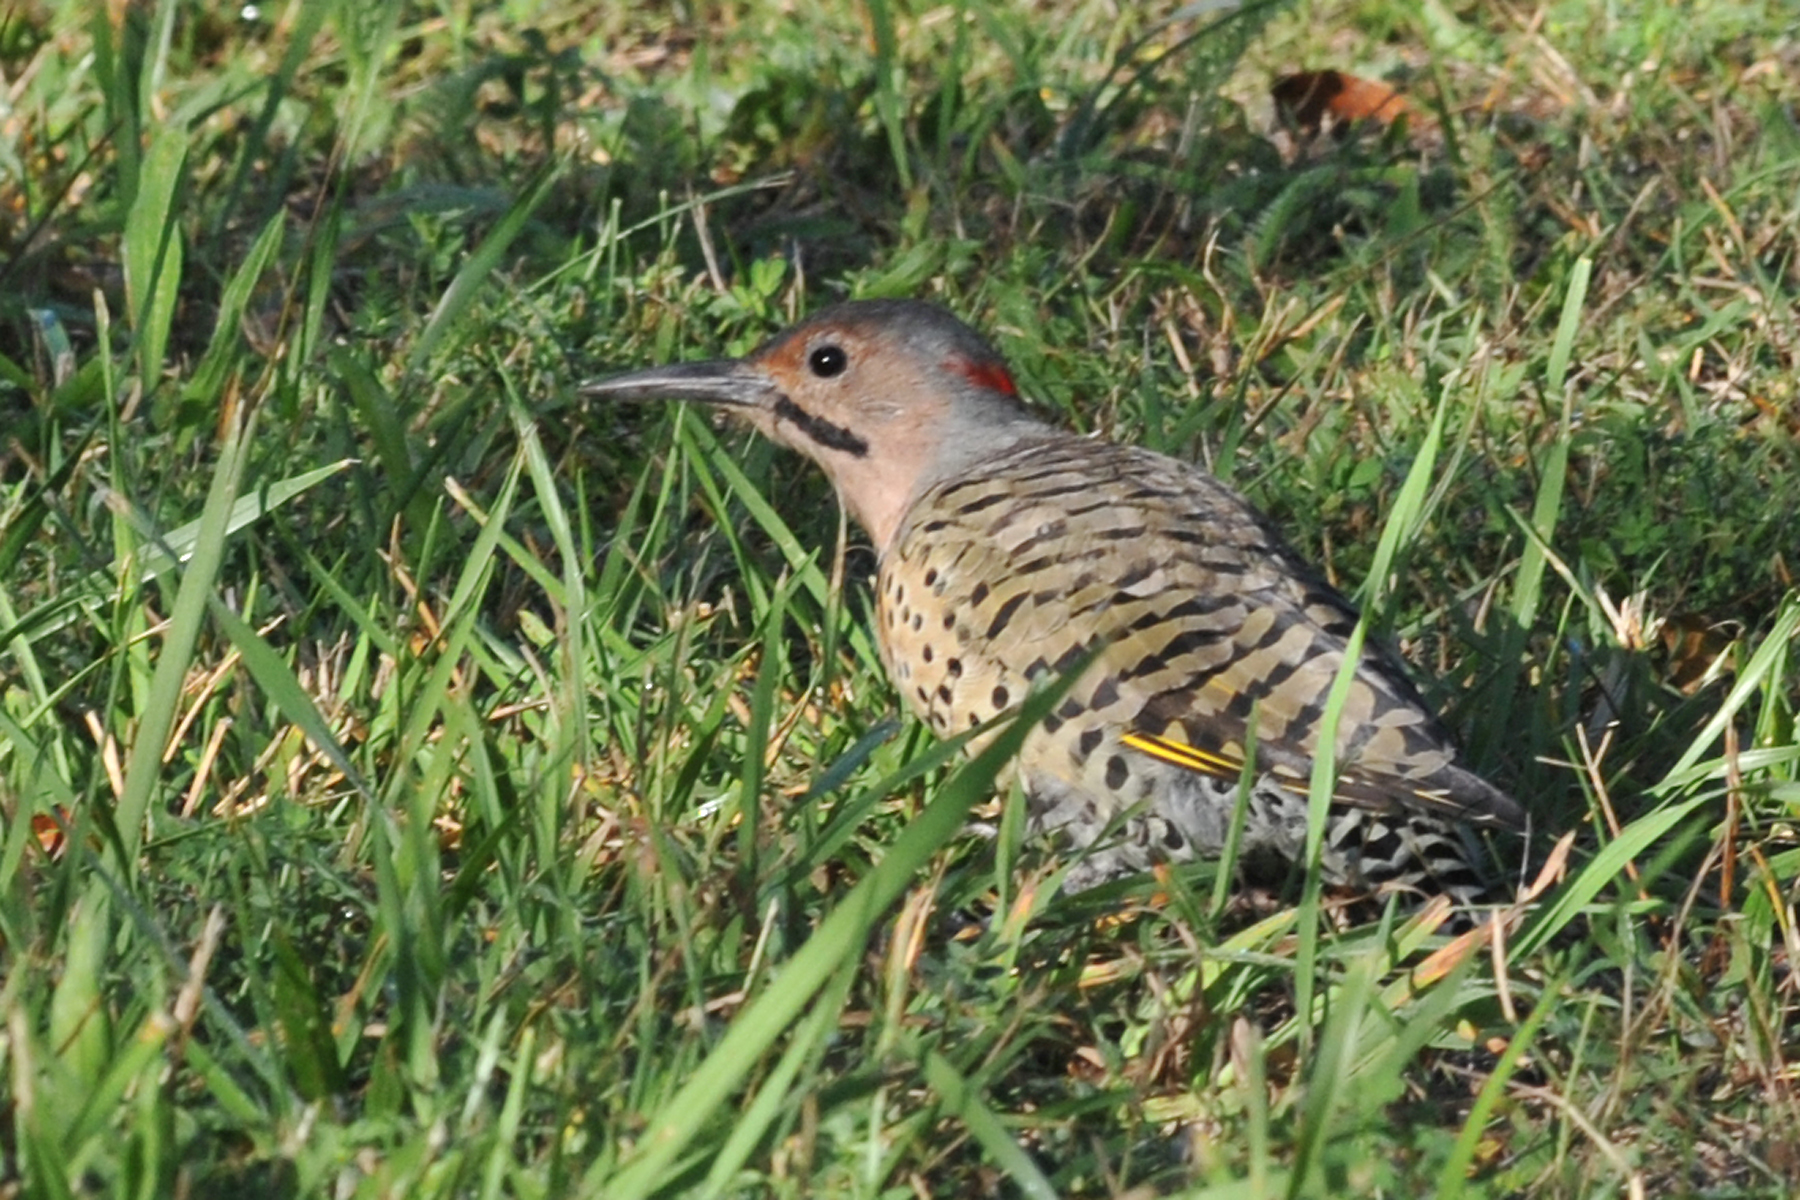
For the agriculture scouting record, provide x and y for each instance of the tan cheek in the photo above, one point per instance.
(760, 420)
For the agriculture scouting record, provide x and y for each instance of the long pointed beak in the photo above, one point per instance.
(729, 382)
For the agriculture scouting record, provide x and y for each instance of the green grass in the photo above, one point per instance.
(413, 782)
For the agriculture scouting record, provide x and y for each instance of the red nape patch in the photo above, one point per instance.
(990, 375)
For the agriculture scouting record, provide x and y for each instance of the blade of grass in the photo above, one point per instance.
(1527, 591)
(1331, 1073)
(671, 1131)
(512, 1113)
(1402, 523)
(570, 709)
(756, 734)
(143, 769)
(1528, 585)
(208, 380)
(456, 621)
(889, 102)
(387, 431)
(1762, 669)
(809, 1040)
(697, 437)
(963, 1102)
(153, 256)
(279, 683)
(454, 304)
(1605, 868)
(1455, 1173)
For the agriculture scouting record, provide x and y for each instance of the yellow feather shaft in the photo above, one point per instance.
(1182, 755)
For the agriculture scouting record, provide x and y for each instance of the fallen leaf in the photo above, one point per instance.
(49, 831)
(1307, 98)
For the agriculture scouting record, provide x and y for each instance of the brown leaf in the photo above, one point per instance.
(1693, 644)
(1307, 98)
(48, 831)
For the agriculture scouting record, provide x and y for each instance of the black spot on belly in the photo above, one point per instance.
(1090, 741)
(1001, 697)
(1117, 772)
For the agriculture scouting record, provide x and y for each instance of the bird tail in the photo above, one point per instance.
(1409, 851)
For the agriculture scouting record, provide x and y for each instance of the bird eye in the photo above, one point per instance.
(827, 361)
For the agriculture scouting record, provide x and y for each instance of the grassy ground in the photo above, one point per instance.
(416, 784)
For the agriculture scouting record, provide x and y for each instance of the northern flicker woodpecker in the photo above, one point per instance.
(1009, 549)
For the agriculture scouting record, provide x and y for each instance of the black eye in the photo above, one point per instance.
(827, 361)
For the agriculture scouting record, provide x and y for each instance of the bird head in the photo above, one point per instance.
(888, 397)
